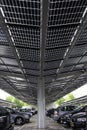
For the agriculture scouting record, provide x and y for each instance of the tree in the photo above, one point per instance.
(18, 102)
(60, 101)
(68, 97)
(10, 99)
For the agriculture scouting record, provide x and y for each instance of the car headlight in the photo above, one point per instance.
(81, 119)
(26, 116)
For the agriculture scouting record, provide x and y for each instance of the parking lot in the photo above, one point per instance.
(17, 127)
(50, 123)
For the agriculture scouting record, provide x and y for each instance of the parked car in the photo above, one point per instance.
(65, 118)
(62, 110)
(26, 111)
(33, 111)
(50, 112)
(78, 120)
(19, 117)
(6, 123)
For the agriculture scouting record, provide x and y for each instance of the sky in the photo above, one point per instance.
(82, 91)
(3, 94)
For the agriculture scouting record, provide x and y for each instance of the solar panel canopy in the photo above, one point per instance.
(34, 35)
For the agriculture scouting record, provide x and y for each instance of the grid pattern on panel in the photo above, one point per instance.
(48, 79)
(30, 65)
(22, 11)
(32, 72)
(67, 69)
(65, 12)
(6, 51)
(61, 36)
(32, 79)
(83, 37)
(79, 50)
(72, 61)
(29, 54)
(55, 54)
(52, 65)
(50, 72)
(3, 40)
(26, 37)
(9, 61)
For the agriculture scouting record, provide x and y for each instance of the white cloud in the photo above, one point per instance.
(3, 94)
(82, 91)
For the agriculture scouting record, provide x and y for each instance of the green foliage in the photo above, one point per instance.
(60, 101)
(10, 99)
(68, 97)
(18, 102)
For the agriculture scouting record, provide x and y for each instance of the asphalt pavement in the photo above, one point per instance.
(17, 127)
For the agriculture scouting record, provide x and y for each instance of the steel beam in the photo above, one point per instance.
(7, 73)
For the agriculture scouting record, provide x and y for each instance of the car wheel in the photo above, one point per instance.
(19, 121)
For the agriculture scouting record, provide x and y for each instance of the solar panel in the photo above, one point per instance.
(25, 37)
(25, 24)
(22, 12)
(31, 65)
(52, 65)
(54, 54)
(65, 12)
(59, 36)
(10, 61)
(32, 72)
(3, 39)
(29, 54)
(6, 51)
(78, 50)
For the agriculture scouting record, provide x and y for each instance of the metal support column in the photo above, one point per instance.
(41, 83)
(41, 104)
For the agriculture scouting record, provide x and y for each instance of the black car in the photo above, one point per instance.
(63, 110)
(78, 120)
(5, 120)
(50, 112)
(65, 118)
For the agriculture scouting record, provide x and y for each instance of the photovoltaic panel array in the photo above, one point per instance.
(63, 21)
(22, 12)
(23, 19)
(26, 37)
(65, 12)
